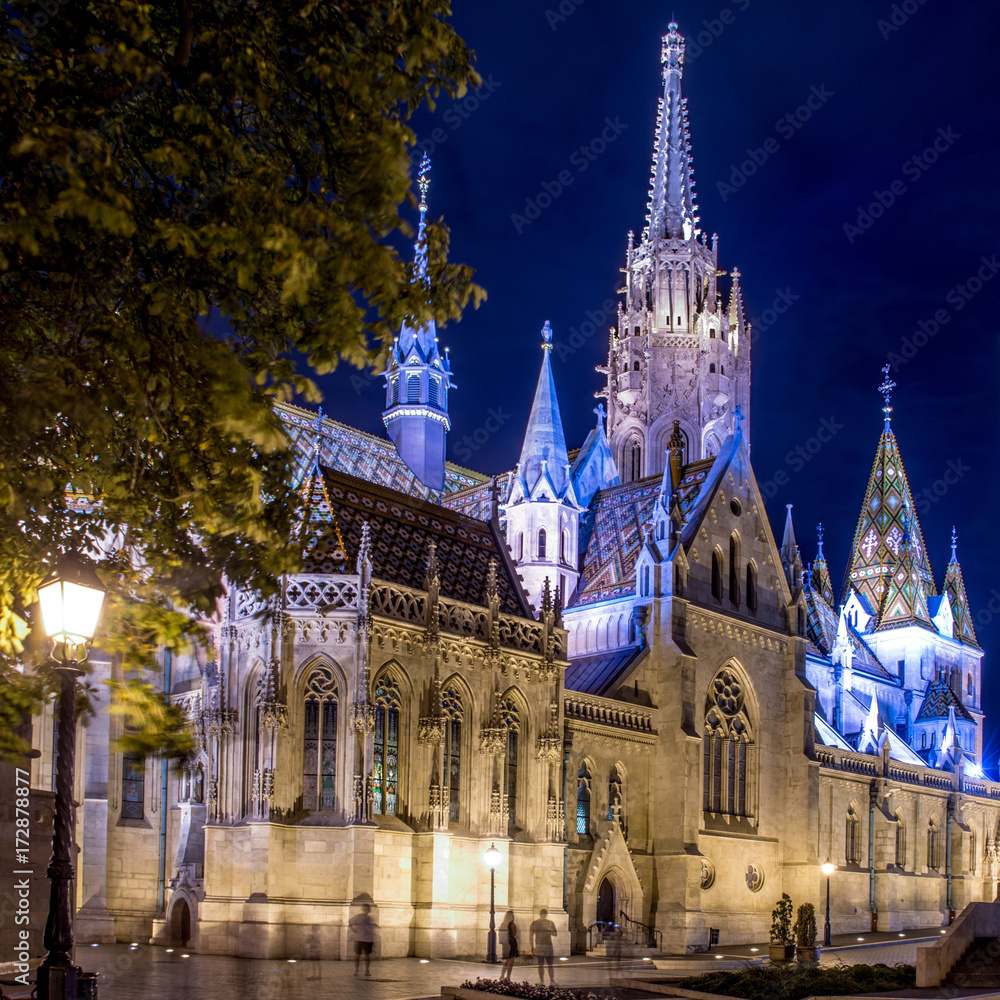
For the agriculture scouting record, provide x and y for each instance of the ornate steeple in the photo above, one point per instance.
(542, 510)
(418, 378)
(820, 579)
(675, 353)
(886, 521)
(954, 588)
(322, 543)
(543, 453)
(672, 207)
(791, 560)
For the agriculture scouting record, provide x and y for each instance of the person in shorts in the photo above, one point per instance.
(512, 949)
(542, 933)
(362, 929)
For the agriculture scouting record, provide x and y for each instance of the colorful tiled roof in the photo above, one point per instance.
(364, 455)
(938, 699)
(904, 601)
(887, 518)
(476, 501)
(954, 587)
(821, 623)
(402, 529)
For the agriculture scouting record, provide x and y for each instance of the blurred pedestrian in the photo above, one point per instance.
(363, 928)
(542, 933)
(512, 949)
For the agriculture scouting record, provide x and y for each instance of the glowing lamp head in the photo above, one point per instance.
(70, 601)
(828, 869)
(492, 857)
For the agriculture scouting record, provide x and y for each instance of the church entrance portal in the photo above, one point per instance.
(606, 902)
(180, 924)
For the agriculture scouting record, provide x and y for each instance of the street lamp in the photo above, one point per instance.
(70, 601)
(828, 868)
(492, 858)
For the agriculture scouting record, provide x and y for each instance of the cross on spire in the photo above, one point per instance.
(601, 413)
(318, 428)
(546, 337)
(819, 535)
(886, 389)
(420, 248)
(954, 544)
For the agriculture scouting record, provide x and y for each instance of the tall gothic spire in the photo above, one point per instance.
(418, 378)
(887, 520)
(543, 452)
(954, 587)
(672, 207)
(820, 579)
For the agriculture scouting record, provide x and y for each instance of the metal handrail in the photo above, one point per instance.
(643, 934)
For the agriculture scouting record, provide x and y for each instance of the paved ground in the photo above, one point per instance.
(147, 973)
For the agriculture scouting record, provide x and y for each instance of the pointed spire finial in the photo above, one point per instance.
(547, 337)
(819, 535)
(672, 52)
(886, 389)
(954, 544)
(420, 247)
(318, 428)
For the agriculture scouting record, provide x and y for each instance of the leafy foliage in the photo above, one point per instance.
(781, 921)
(805, 926)
(196, 201)
(792, 982)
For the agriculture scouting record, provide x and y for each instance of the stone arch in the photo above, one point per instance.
(182, 918)
(622, 630)
(611, 860)
(729, 745)
(659, 437)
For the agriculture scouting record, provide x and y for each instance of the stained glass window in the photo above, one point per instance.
(319, 741)
(511, 720)
(133, 785)
(451, 770)
(385, 770)
(583, 800)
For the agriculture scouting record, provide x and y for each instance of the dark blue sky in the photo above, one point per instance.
(886, 84)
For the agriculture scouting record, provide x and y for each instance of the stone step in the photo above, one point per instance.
(979, 966)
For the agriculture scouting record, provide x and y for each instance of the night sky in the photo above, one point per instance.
(886, 82)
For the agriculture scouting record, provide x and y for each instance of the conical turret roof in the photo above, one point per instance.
(954, 588)
(820, 577)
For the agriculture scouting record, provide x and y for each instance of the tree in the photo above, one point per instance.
(196, 201)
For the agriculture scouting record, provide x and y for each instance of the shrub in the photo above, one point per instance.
(781, 921)
(795, 982)
(527, 991)
(805, 926)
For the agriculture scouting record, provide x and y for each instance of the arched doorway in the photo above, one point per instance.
(606, 902)
(180, 923)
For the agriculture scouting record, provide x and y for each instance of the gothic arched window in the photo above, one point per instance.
(636, 462)
(711, 368)
(511, 721)
(541, 543)
(319, 740)
(933, 845)
(900, 840)
(133, 785)
(729, 751)
(616, 797)
(852, 836)
(583, 800)
(717, 575)
(734, 572)
(413, 388)
(385, 769)
(751, 587)
(394, 383)
(451, 709)
(433, 392)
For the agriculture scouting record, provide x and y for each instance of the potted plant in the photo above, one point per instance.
(806, 949)
(782, 948)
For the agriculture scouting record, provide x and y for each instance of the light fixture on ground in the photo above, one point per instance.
(492, 858)
(70, 601)
(827, 869)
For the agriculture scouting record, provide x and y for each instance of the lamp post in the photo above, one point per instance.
(70, 601)
(827, 869)
(492, 858)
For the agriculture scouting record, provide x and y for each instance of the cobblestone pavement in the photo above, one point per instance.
(151, 973)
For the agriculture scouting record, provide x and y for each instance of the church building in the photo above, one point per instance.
(604, 662)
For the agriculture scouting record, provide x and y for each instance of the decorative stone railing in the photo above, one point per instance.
(521, 634)
(328, 593)
(928, 777)
(606, 712)
(465, 619)
(398, 602)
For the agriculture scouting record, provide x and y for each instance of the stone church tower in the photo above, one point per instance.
(677, 353)
(418, 379)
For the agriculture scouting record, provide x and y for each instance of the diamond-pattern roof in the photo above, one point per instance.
(402, 529)
(904, 601)
(938, 698)
(954, 587)
(887, 518)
